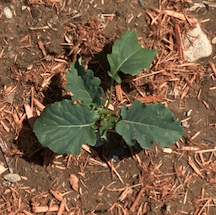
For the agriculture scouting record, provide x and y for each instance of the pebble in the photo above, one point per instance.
(8, 13)
(118, 13)
(23, 7)
(196, 45)
(115, 159)
(63, 184)
(209, 139)
(12, 177)
(188, 113)
(141, 3)
(214, 40)
(30, 67)
(10, 48)
(47, 9)
(116, 155)
(185, 124)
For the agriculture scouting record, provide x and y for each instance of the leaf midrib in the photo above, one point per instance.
(71, 126)
(126, 60)
(142, 124)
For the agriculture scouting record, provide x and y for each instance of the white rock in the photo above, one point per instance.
(24, 7)
(188, 113)
(30, 67)
(8, 13)
(214, 40)
(12, 177)
(185, 124)
(196, 45)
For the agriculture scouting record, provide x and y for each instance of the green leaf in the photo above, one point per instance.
(84, 86)
(146, 124)
(107, 121)
(64, 127)
(106, 124)
(128, 56)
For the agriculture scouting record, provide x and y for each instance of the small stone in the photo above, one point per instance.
(23, 7)
(30, 67)
(63, 184)
(12, 56)
(196, 45)
(8, 13)
(10, 48)
(209, 139)
(141, 3)
(118, 13)
(12, 177)
(214, 40)
(188, 113)
(47, 9)
(185, 124)
(115, 159)
(115, 155)
(134, 176)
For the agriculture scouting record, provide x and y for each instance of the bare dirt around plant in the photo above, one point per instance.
(37, 46)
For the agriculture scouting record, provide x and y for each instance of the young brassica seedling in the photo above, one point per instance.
(64, 126)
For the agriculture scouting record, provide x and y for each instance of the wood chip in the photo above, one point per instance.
(177, 32)
(206, 104)
(190, 82)
(178, 15)
(38, 104)
(41, 46)
(198, 96)
(167, 150)
(118, 90)
(43, 209)
(212, 88)
(24, 38)
(137, 199)
(195, 135)
(27, 213)
(196, 170)
(57, 195)
(74, 182)
(150, 99)
(6, 128)
(62, 207)
(96, 162)
(213, 67)
(124, 194)
(29, 115)
(189, 148)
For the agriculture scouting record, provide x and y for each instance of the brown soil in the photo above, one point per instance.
(158, 182)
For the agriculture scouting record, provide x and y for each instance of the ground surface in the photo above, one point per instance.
(37, 46)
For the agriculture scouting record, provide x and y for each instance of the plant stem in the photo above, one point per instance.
(110, 95)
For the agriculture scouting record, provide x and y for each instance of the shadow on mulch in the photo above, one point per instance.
(32, 150)
(27, 142)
